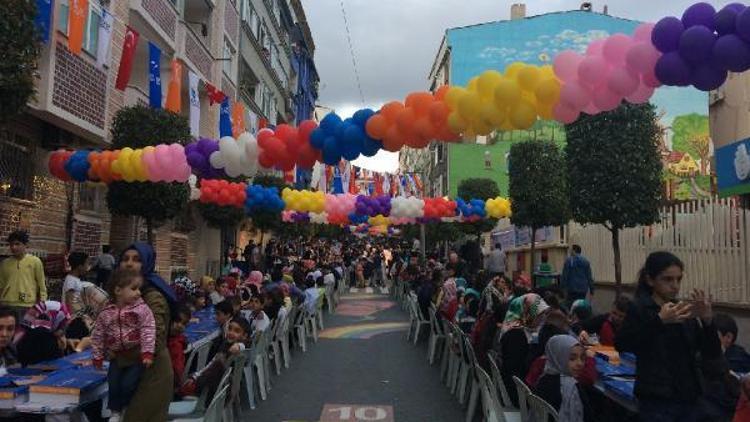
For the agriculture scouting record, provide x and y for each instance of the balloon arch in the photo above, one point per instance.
(697, 50)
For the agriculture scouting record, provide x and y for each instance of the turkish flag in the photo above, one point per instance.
(126, 60)
(214, 95)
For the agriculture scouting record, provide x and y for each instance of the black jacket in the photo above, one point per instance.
(548, 388)
(669, 356)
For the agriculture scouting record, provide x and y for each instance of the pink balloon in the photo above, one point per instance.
(641, 95)
(574, 95)
(596, 47)
(606, 100)
(163, 160)
(649, 79)
(622, 82)
(615, 48)
(643, 32)
(565, 115)
(593, 71)
(149, 160)
(566, 65)
(591, 109)
(642, 57)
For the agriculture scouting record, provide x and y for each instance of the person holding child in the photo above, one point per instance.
(126, 326)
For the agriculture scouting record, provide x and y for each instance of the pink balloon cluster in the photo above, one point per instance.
(166, 163)
(612, 69)
(338, 207)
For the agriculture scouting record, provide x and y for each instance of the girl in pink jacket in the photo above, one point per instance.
(125, 327)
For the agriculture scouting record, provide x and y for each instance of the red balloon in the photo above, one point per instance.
(265, 160)
(439, 112)
(264, 137)
(275, 148)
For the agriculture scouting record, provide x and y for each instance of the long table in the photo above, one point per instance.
(617, 381)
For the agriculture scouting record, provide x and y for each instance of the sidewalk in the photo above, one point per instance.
(361, 369)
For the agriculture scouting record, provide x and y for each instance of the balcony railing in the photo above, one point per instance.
(265, 59)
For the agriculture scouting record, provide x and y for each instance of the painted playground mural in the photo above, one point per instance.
(685, 144)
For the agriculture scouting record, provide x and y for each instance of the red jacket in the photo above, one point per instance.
(121, 329)
(176, 345)
(587, 377)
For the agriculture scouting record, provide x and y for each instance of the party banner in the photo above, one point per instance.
(43, 19)
(154, 75)
(104, 43)
(225, 119)
(195, 105)
(126, 60)
(174, 99)
(77, 14)
(214, 95)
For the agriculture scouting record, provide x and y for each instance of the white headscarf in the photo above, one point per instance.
(558, 354)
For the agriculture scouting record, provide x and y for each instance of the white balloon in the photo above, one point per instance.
(217, 160)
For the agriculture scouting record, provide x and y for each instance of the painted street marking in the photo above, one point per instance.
(363, 331)
(356, 413)
(363, 308)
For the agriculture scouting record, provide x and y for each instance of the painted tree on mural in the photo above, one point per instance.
(615, 171)
(691, 135)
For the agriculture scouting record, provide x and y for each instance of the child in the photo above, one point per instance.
(223, 311)
(223, 289)
(256, 316)
(199, 301)
(126, 325)
(558, 385)
(209, 285)
(235, 340)
(177, 343)
(72, 287)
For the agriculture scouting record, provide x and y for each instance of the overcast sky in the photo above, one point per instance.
(395, 43)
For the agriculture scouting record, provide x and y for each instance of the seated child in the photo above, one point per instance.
(558, 385)
(199, 300)
(256, 316)
(580, 312)
(177, 343)
(223, 311)
(125, 326)
(235, 340)
(209, 286)
(606, 325)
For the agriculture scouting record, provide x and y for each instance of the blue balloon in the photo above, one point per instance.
(370, 146)
(331, 153)
(78, 165)
(317, 138)
(330, 123)
(361, 116)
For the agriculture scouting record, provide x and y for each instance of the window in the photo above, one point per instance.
(228, 65)
(91, 31)
(91, 198)
(250, 16)
(16, 166)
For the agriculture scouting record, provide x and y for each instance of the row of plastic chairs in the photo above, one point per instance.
(463, 375)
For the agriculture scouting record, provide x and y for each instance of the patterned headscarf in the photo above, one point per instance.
(450, 292)
(51, 315)
(256, 278)
(184, 288)
(557, 352)
(580, 303)
(523, 311)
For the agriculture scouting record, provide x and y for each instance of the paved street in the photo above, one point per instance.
(362, 368)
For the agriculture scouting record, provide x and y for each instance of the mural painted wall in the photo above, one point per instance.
(683, 112)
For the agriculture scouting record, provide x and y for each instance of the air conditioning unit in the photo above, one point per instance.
(715, 96)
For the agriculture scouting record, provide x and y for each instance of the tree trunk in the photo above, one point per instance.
(618, 265)
(262, 232)
(533, 255)
(150, 232)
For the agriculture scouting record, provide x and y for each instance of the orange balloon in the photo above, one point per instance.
(439, 112)
(393, 140)
(444, 133)
(424, 129)
(440, 93)
(405, 121)
(420, 102)
(376, 126)
(391, 110)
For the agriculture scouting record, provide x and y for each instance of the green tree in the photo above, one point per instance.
(615, 171)
(538, 187)
(220, 217)
(688, 130)
(138, 127)
(21, 46)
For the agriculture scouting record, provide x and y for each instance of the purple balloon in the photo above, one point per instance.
(737, 7)
(673, 70)
(742, 25)
(732, 53)
(666, 34)
(708, 76)
(724, 21)
(699, 14)
(696, 44)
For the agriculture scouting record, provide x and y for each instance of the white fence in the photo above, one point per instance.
(710, 236)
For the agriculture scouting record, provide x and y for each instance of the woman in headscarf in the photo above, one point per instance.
(41, 336)
(448, 294)
(558, 386)
(525, 315)
(151, 400)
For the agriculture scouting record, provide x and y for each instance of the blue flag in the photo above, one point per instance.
(338, 187)
(43, 19)
(154, 68)
(225, 119)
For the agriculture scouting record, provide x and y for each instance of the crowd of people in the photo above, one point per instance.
(688, 368)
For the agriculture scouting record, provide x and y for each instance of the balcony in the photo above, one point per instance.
(264, 56)
(195, 53)
(159, 18)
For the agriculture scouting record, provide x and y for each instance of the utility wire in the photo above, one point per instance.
(351, 51)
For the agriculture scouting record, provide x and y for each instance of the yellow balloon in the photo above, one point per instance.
(547, 72)
(512, 70)
(482, 128)
(507, 126)
(492, 116)
(470, 105)
(454, 95)
(487, 82)
(547, 92)
(507, 93)
(523, 115)
(456, 123)
(546, 112)
(472, 85)
(529, 77)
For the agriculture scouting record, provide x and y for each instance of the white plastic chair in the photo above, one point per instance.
(540, 410)
(319, 309)
(199, 355)
(437, 336)
(214, 410)
(274, 351)
(282, 337)
(417, 319)
(497, 379)
(195, 407)
(300, 327)
(233, 409)
(523, 396)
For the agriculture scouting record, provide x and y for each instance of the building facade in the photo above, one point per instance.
(76, 102)
(468, 51)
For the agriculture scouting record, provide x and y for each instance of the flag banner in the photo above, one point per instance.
(262, 123)
(338, 187)
(353, 189)
(195, 105)
(154, 75)
(78, 11)
(394, 185)
(253, 122)
(378, 185)
(418, 182)
(214, 95)
(225, 119)
(386, 184)
(43, 19)
(104, 42)
(323, 186)
(174, 97)
(238, 119)
(126, 60)
(412, 185)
